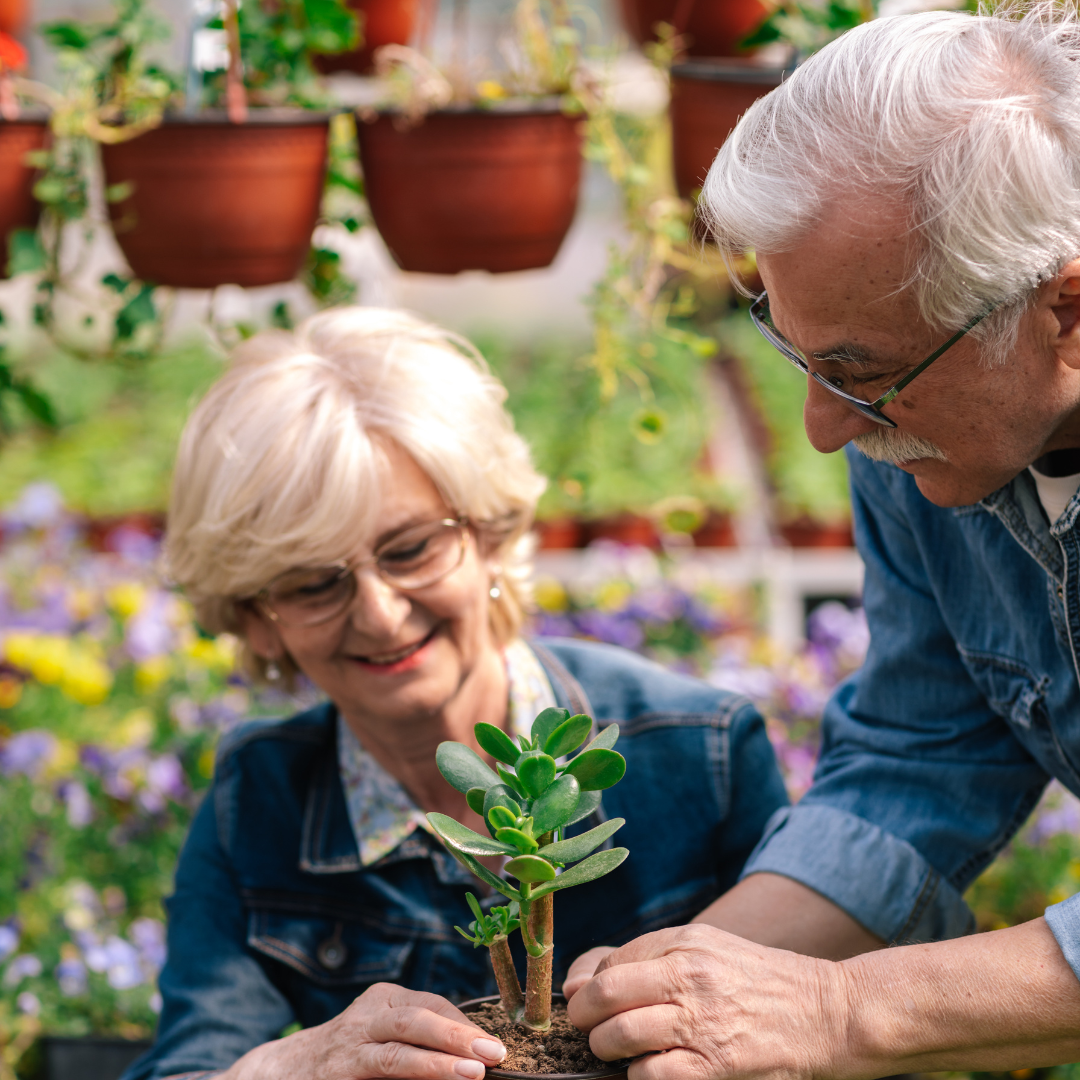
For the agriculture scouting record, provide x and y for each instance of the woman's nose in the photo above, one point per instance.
(378, 609)
(829, 423)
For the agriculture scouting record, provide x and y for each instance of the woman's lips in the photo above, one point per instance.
(391, 663)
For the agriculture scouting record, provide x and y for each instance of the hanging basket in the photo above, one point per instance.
(473, 189)
(711, 27)
(382, 22)
(215, 203)
(707, 99)
(18, 208)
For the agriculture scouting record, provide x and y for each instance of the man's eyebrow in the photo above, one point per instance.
(849, 353)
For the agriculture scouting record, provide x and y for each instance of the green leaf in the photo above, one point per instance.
(497, 743)
(597, 769)
(525, 844)
(524, 743)
(501, 818)
(474, 937)
(462, 838)
(556, 806)
(536, 771)
(577, 847)
(462, 767)
(546, 722)
(475, 798)
(568, 736)
(606, 740)
(531, 868)
(485, 875)
(474, 907)
(25, 253)
(511, 781)
(586, 805)
(134, 313)
(501, 795)
(595, 866)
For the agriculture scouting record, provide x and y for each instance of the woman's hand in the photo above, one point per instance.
(715, 1006)
(387, 1031)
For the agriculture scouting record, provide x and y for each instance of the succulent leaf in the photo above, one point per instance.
(475, 798)
(484, 874)
(511, 781)
(462, 768)
(497, 743)
(606, 740)
(531, 868)
(461, 838)
(525, 844)
(577, 847)
(474, 906)
(568, 736)
(597, 769)
(536, 771)
(556, 806)
(595, 866)
(501, 818)
(546, 722)
(587, 804)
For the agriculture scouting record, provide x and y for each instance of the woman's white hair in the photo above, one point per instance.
(281, 463)
(972, 121)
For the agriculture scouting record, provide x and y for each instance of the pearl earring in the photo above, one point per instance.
(273, 672)
(494, 592)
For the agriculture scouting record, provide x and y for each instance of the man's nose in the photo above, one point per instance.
(829, 423)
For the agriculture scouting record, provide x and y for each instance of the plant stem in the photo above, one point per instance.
(506, 976)
(538, 972)
(235, 97)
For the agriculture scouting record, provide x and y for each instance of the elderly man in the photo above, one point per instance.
(913, 195)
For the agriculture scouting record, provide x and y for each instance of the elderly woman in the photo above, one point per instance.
(353, 502)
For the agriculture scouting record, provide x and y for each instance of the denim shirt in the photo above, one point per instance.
(936, 751)
(274, 919)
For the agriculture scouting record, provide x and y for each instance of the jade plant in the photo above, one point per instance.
(527, 805)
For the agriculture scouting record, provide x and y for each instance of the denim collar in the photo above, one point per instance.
(1017, 507)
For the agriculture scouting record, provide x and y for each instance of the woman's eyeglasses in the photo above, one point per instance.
(759, 312)
(413, 559)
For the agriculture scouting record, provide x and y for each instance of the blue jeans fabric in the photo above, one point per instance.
(270, 876)
(936, 751)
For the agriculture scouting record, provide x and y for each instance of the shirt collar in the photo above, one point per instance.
(381, 811)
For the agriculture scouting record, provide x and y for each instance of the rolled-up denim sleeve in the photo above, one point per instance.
(919, 782)
(217, 1002)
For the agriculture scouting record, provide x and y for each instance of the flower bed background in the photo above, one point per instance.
(111, 703)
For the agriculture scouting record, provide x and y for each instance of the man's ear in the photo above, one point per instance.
(1063, 298)
(259, 632)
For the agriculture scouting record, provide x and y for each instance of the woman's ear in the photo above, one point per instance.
(259, 632)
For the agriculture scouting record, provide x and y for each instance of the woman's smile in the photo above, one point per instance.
(400, 660)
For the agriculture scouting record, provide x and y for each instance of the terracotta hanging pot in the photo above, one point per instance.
(632, 530)
(18, 208)
(804, 532)
(707, 99)
(13, 15)
(559, 534)
(382, 22)
(473, 189)
(711, 27)
(215, 203)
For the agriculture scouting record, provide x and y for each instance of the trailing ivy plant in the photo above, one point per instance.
(527, 804)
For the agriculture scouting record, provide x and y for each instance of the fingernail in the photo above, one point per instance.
(488, 1048)
(473, 1070)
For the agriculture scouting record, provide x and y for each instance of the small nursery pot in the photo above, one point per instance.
(384, 22)
(472, 189)
(18, 208)
(215, 203)
(713, 27)
(611, 1072)
(707, 99)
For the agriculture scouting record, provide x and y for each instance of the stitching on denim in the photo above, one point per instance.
(260, 902)
(650, 721)
(929, 887)
(298, 960)
(1003, 663)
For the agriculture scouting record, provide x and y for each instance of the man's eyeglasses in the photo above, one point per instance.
(759, 312)
(413, 559)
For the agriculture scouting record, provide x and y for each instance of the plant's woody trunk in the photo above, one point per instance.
(538, 978)
(506, 976)
(235, 98)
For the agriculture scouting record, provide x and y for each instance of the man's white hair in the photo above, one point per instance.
(971, 121)
(282, 463)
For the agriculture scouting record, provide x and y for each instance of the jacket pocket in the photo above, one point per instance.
(1010, 687)
(330, 953)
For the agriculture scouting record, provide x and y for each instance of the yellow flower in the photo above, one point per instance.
(10, 692)
(206, 763)
(81, 603)
(64, 758)
(218, 654)
(551, 596)
(49, 657)
(86, 679)
(489, 90)
(1059, 893)
(136, 729)
(150, 674)
(18, 648)
(613, 595)
(126, 598)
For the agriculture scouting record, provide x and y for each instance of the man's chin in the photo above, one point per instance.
(943, 485)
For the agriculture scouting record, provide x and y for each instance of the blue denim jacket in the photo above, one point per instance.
(936, 751)
(273, 919)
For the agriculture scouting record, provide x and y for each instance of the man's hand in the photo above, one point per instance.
(717, 1005)
(583, 969)
(387, 1031)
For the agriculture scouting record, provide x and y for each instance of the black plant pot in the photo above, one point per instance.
(89, 1058)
